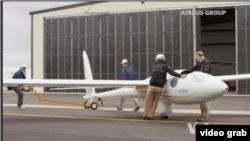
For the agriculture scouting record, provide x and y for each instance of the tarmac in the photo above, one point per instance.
(43, 121)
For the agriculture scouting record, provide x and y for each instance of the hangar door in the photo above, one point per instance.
(174, 39)
(137, 36)
(186, 40)
(243, 46)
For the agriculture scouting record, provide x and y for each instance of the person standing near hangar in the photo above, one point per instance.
(128, 74)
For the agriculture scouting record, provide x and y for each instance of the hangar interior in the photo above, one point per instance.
(139, 36)
(225, 39)
(217, 41)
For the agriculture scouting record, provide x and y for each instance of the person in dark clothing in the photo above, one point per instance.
(128, 74)
(157, 82)
(20, 74)
(203, 65)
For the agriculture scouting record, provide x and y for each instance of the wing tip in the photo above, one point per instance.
(83, 53)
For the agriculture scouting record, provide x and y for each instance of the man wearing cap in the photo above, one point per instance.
(128, 74)
(203, 65)
(20, 74)
(158, 80)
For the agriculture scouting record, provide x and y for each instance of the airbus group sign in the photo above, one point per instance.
(203, 12)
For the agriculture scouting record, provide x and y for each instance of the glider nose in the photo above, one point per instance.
(227, 89)
(224, 87)
(220, 88)
(215, 89)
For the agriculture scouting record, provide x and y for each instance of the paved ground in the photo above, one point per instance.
(66, 129)
(64, 125)
(44, 124)
(223, 103)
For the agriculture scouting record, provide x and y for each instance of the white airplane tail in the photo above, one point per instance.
(87, 73)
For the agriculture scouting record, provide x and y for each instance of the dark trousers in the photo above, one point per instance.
(19, 93)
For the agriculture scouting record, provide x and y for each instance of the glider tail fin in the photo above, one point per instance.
(87, 73)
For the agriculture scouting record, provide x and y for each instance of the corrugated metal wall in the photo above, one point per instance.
(108, 39)
(243, 44)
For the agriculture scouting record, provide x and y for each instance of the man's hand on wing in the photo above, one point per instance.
(183, 76)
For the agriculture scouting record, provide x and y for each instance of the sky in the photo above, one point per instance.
(17, 30)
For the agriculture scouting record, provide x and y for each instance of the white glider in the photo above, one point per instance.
(197, 87)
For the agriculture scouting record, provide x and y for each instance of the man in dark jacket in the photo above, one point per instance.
(128, 74)
(20, 74)
(157, 82)
(203, 65)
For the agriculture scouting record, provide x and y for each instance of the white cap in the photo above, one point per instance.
(24, 65)
(160, 56)
(124, 61)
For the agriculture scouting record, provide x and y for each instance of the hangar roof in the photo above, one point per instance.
(66, 7)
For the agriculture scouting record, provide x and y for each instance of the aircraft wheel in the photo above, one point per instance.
(9, 88)
(85, 106)
(164, 116)
(93, 105)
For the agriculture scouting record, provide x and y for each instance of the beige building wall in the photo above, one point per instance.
(38, 22)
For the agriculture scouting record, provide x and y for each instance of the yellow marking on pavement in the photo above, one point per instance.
(118, 119)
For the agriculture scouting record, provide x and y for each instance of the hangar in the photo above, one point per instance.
(111, 31)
